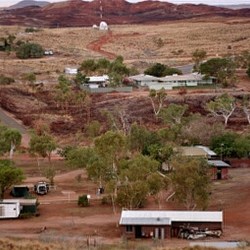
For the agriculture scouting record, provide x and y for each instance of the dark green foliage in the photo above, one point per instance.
(231, 145)
(5, 80)
(161, 70)
(80, 79)
(9, 175)
(31, 30)
(223, 145)
(29, 50)
(93, 129)
(7, 43)
(83, 201)
(191, 182)
(42, 145)
(221, 68)
(140, 138)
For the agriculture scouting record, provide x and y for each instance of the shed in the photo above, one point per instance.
(167, 224)
(219, 169)
(9, 209)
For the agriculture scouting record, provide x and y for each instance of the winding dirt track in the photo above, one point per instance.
(97, 45)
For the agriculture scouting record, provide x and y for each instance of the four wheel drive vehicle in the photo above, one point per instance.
(41, 187)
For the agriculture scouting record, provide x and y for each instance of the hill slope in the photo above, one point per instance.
(26, 3)
(80, 13)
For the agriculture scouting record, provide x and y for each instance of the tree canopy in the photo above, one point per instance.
(29, 50)
(9, 175)
(191, 182)
(221, 68)
(161, 70)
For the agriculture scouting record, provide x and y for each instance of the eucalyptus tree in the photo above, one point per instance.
(223, 106)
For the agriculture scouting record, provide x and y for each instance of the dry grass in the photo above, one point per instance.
(136, 43)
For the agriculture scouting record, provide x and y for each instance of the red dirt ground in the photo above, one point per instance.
(62, 217)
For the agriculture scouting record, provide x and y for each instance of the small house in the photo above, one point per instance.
(9, 209)
(170, 82)
(219, 169)
(98, 81)
(144, 80)
(167, 224)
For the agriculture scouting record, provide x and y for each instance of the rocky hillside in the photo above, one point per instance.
(27, 3)
(80, 13)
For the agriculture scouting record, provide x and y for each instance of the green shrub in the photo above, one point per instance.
(30, 30)
(5, 80)
(106, 200)
(29, 50)
(83, 201)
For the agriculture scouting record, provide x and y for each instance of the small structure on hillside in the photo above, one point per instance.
(168, 224)
(71, 70)
(97, 81)
(103, 26)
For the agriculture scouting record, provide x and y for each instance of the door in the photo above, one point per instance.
(160, 233)
(138, 233)
(219, 175)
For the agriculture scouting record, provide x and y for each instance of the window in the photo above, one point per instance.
(129, 228)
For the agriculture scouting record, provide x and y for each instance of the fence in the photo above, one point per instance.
(107, 90)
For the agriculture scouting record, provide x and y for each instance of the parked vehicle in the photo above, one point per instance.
(41, 187)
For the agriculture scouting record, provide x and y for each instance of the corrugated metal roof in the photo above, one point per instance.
(186, 77)
(218, 163)
(181, 216)
(207, 150)
(192, 151)
(142, 77)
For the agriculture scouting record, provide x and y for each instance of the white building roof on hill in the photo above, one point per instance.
(103, 26)
(103, 78)
(187, 77)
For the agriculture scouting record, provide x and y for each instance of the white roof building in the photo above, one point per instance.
(169, 82)
(135, 217)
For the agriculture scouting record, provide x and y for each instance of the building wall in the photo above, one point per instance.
(216, 172)
(148, 232)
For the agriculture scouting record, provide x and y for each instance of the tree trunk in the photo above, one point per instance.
(12, 148)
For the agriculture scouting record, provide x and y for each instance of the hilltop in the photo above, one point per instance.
(75, 13)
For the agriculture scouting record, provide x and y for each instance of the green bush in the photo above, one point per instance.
(5, 80)
(106, 200)
(30, 30)
(83, 201)
(29, 50)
